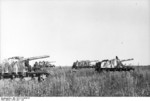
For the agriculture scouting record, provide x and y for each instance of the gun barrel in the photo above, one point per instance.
(37, 57)
(127, 60)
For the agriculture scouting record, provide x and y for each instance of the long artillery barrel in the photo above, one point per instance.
(126, 60)
(36, 57)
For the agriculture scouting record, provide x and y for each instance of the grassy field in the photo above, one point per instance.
(82, 82)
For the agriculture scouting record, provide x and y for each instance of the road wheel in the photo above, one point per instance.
(33, 77)
(21, 77)
(13, 76)
(42, 77)
(1, 77)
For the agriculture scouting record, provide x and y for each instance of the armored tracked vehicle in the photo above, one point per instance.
(112, 65)
(44, 64)
(83, 64)
(19, 67)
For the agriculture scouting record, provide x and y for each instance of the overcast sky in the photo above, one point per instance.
(70, 30)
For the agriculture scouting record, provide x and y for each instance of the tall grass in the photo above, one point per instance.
(83, 82)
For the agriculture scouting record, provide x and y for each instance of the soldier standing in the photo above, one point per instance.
(28, 65)
(119, 64)
(35, 66)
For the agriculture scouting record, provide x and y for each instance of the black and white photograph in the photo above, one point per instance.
(74, 48)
